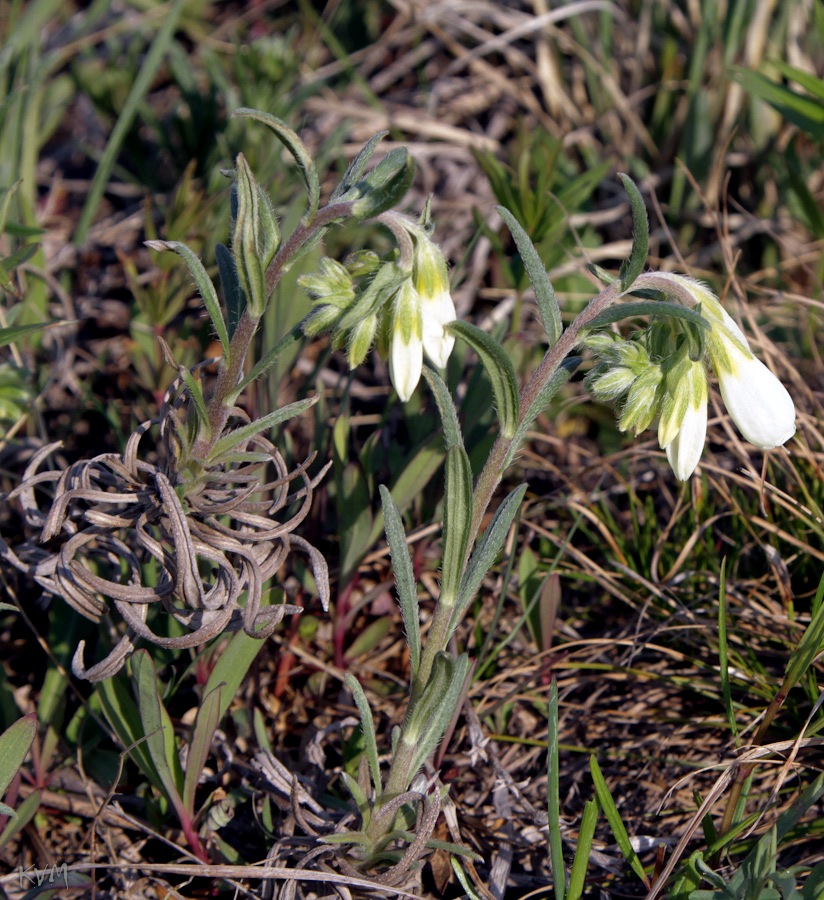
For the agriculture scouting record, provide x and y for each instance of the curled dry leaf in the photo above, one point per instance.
(108, 517)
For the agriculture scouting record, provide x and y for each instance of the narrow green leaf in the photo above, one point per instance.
(418, 469)
(803, 111)
(807, 80)
(231, 667)
(368, 726)
(404, 577)
(233, 295)
(809, 646)
(157, 726)
(586, 833)
(24, 815)
(486, 552)
(204, 286)
(123, 715)
(616, 825)
(723, 659)
(268, 360)
(15, 742)
(500, 370)
(351, 785)
(633, 266)
(295, 146)
(369, 638)
(196, 393)
(617, 312)
(553, 800)
(23, 255)
(547, 392)
(6, 195)
(140, 88)
(538, 277)
(446, 407)
(13, 332)
(264, 423)
(469, 889)
(457, 521)
(356, 168)
(203, 732)
(438, 705)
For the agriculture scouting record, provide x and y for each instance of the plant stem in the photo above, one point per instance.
(229, 377)
(439, 631)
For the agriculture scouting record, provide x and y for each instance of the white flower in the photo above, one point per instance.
(437, 307)
(758, 403)
(406, 350)
(682, 429)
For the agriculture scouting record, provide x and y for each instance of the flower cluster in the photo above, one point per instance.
(662, 374)
(404, 304)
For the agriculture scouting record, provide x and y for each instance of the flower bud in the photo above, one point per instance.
(248, 239)
(641, 405)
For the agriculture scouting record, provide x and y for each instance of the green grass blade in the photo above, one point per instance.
(723, 659)
(809, 646)
(140, 88)
(616, 825)
(586, 833)
(553, 800)
(805, 112)
(14, 332)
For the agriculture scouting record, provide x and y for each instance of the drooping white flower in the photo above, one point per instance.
(406, 347)
(757, 402)
(437, 307)
(682, 428)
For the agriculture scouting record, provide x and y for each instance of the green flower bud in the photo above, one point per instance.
(641, 405)
(360, 340)
(248, 239)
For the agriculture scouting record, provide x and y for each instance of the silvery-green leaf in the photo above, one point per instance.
(486, 553)
(500, 370)
(404, 577)
(537, 274)
(633, 266)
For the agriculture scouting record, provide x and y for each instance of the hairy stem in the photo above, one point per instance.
(229, 377)
(438, 636)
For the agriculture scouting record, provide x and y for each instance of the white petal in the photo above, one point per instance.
(758, 403)
(405, 364)
(435, 313)
(685, 449)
